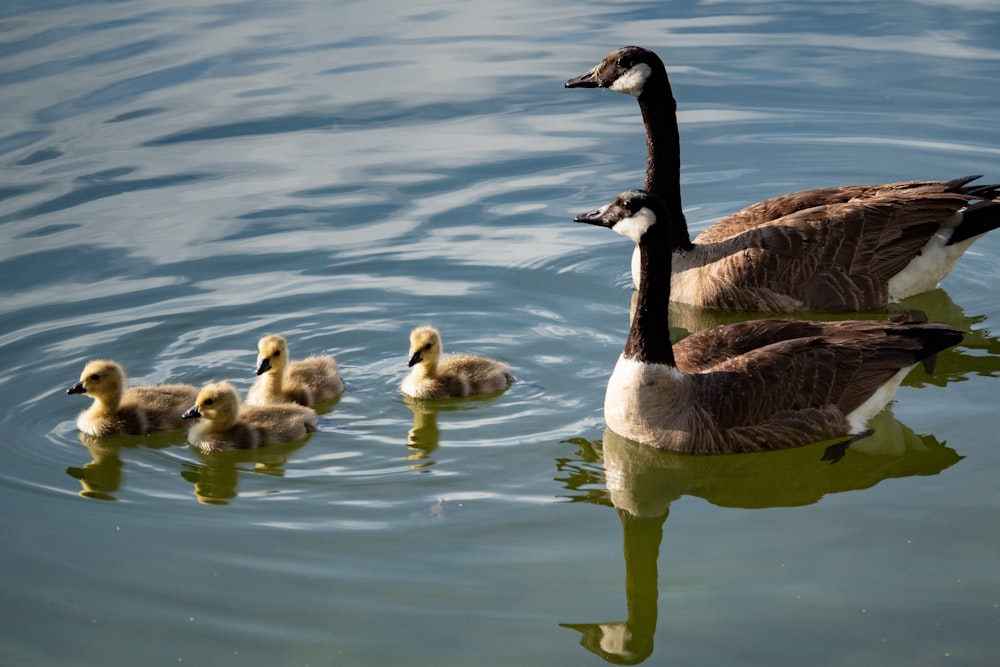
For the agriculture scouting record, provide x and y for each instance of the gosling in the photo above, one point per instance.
(225, 424)
(454, 376)
(313, 380)
(122, 410)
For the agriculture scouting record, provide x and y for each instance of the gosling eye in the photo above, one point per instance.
(95, 377)
(428, 346)
(209, 401)
(278, 353)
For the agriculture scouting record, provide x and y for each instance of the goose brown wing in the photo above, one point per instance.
(837, 257)
(792, 377)
(774, 208)
(710, 347)
(842, 368)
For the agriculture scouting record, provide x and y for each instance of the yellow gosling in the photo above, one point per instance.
(119, 409)
(225, 424)
(453, 376)
(308, 382)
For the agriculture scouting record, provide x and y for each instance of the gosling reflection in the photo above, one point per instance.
(641, 483)
(425, 436)
(217, 474)
(104, 477)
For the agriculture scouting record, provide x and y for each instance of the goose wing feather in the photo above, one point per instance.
(774, 208)
(841, 367)
(837, 257)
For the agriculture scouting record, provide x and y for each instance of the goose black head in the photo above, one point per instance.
(633, 214)
(625, 71)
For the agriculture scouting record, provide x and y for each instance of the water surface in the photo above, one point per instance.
(181, 178)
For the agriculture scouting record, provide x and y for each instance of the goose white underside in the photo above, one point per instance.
(861, 415)
(926, 270)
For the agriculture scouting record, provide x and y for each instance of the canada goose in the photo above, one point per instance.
(834, 249)
(225, 424)
(454, 376)
(308, 382)
(119, 409)
(752, 386)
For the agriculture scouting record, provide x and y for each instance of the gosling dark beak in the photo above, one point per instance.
(595, 217)
(77, 389)
(587, 80)
(414, 360)
(264, 366)
(191, 413)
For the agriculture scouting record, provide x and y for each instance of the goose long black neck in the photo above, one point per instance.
(663, 152)
(649, 336)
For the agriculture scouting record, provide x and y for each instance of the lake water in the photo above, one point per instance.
(179, 178)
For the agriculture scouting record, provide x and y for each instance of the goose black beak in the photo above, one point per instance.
(264, 366)
(191, 413)
(595, 217)
(586, 80)
(78, 388)
(414, 360)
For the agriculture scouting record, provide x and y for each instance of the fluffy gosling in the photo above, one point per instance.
(454, 376)
(225, 424)
(119, 409)
(308, 382)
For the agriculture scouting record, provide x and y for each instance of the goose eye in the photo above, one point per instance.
(277, 353)
(209, 401)
(95, 377)
(428, 346)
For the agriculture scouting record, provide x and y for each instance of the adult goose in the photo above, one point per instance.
(753, 386)
(842, 249)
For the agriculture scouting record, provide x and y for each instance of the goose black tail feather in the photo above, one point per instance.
(932, 336)
(977, 219)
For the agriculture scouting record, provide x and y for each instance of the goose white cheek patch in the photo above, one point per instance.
(632, 81)
(636, 225)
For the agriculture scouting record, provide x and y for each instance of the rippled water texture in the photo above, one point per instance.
(180, 178)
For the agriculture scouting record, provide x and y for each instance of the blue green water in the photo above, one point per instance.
(180, 178)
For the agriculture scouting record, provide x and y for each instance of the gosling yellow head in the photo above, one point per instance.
(272, 354)
(425, 347)
(218, 403)
(102, 379)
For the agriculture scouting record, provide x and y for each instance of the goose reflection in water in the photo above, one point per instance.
(104, 476)
(425, 437)
(641, 483)
(217, 476)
